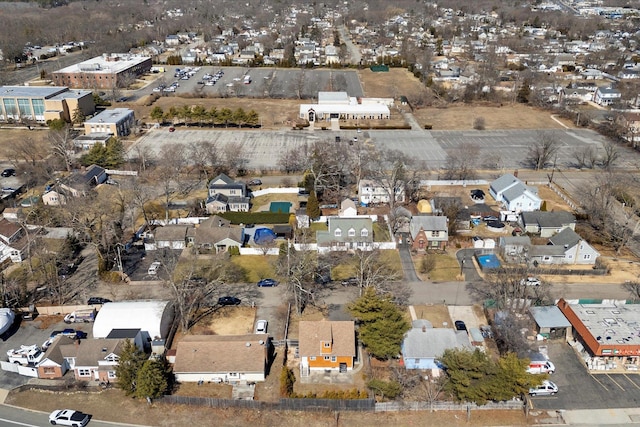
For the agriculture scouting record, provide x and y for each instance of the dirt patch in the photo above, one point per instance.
(512, 116)
(207, 389)
(438, 315)
(12, 139)
(392, 84)
(227, 321)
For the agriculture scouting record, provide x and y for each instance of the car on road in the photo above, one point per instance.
(172, 129)
(229, 301)
(8, 172)
(547, 388)
(530, 281)
(267, 283)
(69, 417)
(97, 300)
(351, 281)
(255, 181)
(460, 326)
(261, 327)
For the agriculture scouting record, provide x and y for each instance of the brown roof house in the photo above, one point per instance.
(93, 359)
(14, 241)
(216, 235)
(222, 358)
(326, 344)
(429, 232)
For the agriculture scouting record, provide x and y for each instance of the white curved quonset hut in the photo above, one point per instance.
(153, 318)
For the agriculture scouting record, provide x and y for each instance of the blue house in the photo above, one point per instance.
(423, 344)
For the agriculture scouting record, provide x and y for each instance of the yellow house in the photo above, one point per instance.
(326, 344)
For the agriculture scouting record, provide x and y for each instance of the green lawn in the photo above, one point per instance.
(447, 268)
(348, 268)
(380, 232)
(257, 266)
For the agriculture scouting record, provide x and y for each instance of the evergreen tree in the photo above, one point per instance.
(157, 114)
(382, 323)
(524, 92)
(130, 361)
(313, 207)
(152, 379)
(78, 116)
(56, 124)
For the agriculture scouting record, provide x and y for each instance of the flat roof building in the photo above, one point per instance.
(338, 105)
(115, 121)
(105, 72)
(43, 103)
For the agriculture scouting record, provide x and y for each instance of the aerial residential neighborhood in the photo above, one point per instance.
(338, 213)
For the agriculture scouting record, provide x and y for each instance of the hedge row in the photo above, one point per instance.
(256, 217)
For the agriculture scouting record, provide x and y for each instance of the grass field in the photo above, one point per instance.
(446, 270)
(257, 267)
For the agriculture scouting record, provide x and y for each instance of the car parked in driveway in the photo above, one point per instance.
(255, 181)
(530, 281)
(69, 417)
(547, 388)
(261, 327)
(229, 300)
(460, 326)
(267, 283)
(8, 172)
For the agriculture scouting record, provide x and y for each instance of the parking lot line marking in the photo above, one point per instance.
(17, 423)
(631, 381)
(615, 382)
(598, 381)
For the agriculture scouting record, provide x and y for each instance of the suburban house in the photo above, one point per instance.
(423, 344)
(630, 122)
(226, 194)
(345, 234)
(565, 247)
(606, 96)
(222, 358)
(216, 235)
(428, 232)
(75, 186)
(326, 344)
(372, 192)
(93, 360)
(53, 365)
(14, 241)
(172, 236)
(514, 195)
(547, 223)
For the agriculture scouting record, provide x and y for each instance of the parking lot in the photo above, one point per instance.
(578, 389)
(276, 83)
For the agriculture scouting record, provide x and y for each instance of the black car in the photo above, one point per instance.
(460, 326)
(8, 172)
(97, 300)
(228, 301)
(255, 182)
(265, 283)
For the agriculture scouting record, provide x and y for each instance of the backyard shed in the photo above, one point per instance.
(550, 321)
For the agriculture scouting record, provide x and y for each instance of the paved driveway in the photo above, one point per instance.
(465, 259)
(407, 265)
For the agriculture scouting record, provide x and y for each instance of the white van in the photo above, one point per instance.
(541, 367)
(153, 268)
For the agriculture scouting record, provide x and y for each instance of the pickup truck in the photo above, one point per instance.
(69, 417)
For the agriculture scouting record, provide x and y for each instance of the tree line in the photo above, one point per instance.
(202, 117)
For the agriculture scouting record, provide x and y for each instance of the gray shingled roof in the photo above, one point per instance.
(566, 238)
(548, 219)
(420, 343)
(427, 223)
(503, 182)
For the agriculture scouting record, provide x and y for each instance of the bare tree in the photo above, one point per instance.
(543, 150)
(610, 154)
(372, 271)
(586, 156)
(633, 288)
(390, 170)
(462, 162)
(233, 154)
(61, 144)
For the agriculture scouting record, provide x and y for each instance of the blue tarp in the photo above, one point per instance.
(488, 262)
(264, 235)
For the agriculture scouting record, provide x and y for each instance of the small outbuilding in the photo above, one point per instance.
(153, 318)
(550, 322)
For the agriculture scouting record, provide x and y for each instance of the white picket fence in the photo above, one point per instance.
(258, 251)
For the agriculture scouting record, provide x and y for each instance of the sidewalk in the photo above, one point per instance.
(610, 416)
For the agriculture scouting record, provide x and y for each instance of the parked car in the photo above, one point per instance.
(351, 281)
(74, 334)
(153, 268)
(264, 283)
(261, 327)
(530, 281)
(547, 388)
(8, 172)
(69, 417)
(172, 129)
(489, 218)
(460, 326)
(255, 181)
(97, 300)
(229, 301)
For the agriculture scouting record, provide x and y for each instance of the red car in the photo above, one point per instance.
(172, 129)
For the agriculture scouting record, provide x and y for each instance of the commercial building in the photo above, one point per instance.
(103, 72)
(606, 334)
(339, 106)
(42, 103)
(116, 122)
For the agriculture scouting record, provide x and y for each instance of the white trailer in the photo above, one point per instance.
(26, 355)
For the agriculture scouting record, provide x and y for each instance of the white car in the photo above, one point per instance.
(153, 268)
(546, 388)
(68, 417)
(530, 281)
(261, 327)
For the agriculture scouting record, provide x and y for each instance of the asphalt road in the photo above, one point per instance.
(12, 416)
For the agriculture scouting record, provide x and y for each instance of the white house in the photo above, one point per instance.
(514, 195)
(371, 191)
(152, 317)
(606, 96)
(222, 358)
